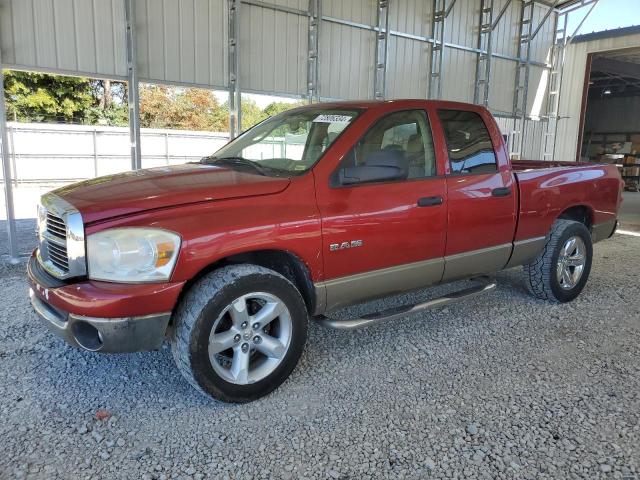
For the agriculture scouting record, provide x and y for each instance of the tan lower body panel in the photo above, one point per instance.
(526, 250)
(345, 291)
(476, 262)
(602, 231)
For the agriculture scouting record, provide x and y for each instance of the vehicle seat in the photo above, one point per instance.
(415, 156)
(389, 158)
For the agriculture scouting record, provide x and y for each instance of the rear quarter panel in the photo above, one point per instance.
(547, 192)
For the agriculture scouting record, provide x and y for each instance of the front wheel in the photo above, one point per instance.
(239, 332)
(561, 269)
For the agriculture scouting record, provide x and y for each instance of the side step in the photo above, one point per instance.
(404, 310)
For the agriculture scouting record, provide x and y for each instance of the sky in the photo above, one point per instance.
(606, 15)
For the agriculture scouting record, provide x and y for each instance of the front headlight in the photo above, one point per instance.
(132, 255)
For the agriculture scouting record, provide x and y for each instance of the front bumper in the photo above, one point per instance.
(101, 316)
(109, 335)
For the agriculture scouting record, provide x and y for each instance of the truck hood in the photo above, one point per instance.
(132, 192)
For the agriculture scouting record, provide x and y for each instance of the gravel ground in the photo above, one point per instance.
(500, 386)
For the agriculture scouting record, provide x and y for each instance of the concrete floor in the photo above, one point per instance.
(630, 211)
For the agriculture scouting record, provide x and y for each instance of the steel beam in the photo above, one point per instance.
(133, 97)
(313, 39)
(501, 14)
(483, 62)
(561, 42)
(438, 14)
(553, 87)
(382, 50)
(235, 96)
(7, 177)
(610, 66)
(431, 40)
(544, 19)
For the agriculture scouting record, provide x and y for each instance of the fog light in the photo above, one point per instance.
(87, 336)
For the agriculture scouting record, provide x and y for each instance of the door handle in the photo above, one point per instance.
(430, 201)
(501, 192)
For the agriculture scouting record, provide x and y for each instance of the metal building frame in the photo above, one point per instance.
(133, 93)
(313, 47)
(483, 63)
(439, 16)
(235, 94)
(382, 50)
(439, 47)
(558, 50)
(6, 175)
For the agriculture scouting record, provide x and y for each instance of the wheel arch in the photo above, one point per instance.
(284, 262)
(579, 213)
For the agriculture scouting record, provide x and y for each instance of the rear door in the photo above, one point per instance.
(384, 237)
(481, 194)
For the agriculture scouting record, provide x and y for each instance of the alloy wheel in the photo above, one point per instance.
(250, 338)
(571, 262)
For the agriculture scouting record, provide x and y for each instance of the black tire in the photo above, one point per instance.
(204, 303)
(541, 278)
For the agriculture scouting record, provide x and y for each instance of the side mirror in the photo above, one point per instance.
(370, 173)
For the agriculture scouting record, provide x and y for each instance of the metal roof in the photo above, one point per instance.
(616, 32)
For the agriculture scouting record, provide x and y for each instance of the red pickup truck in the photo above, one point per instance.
(315, 209)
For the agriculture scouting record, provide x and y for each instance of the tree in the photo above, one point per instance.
(251, 114)
(184, 108)
(39, 97)
(275, 108)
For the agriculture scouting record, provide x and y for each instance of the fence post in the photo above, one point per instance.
(14, 164)
(95, 152)
(166, 148)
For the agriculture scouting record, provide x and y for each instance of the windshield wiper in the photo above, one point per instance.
(211, 160)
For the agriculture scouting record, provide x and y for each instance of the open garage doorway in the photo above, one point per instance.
(611, 122)
(611, 112)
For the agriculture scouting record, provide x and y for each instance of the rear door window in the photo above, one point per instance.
(468, 142)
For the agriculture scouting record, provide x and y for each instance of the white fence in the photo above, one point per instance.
(47, 156)
(56, 154)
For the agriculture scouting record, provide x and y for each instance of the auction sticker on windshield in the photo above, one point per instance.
(333, 118)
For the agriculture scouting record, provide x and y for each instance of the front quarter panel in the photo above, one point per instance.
(210, 231)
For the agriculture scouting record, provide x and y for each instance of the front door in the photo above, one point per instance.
(382, 236)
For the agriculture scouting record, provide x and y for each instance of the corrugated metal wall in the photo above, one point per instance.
(185, 42)
(75, 36)
(182, 42)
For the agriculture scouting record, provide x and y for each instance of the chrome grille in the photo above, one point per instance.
(61, 235)
(56, 238)
(56, 226)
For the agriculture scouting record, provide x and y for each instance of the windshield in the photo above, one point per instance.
(288, 144)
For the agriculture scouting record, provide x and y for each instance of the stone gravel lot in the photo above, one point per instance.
(500, 386)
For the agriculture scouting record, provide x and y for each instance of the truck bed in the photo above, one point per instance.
(547, 189)
(521, 165)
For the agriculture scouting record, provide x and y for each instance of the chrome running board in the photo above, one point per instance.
(404, 310)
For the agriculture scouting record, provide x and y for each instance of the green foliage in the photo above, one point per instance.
(275, 108)
(183, 108)
(251, 113)
(39, 97)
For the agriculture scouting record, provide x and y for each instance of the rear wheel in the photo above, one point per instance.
(561, 269)
(239, 332)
